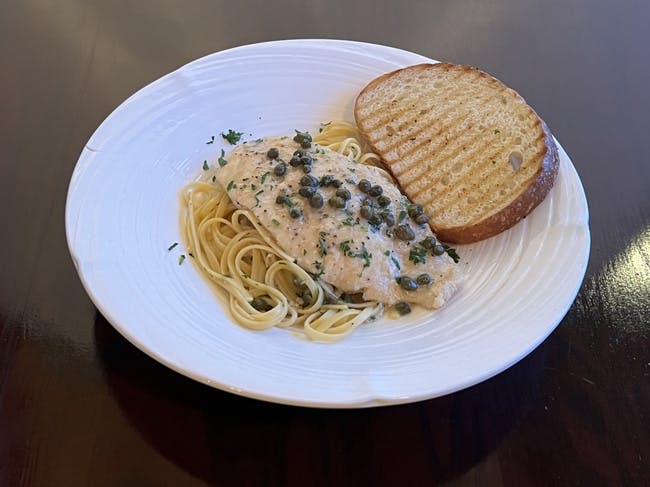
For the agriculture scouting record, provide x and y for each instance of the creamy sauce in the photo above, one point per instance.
(337, 244)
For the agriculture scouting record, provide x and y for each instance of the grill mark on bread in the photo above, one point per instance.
(489, 186)
(407, 136)
(430, 118)
(470, 164)
(368, 118)
(432, 183)
(455, 147)
(427, 139)
(415, 169)
(407, 167)
(395, 141)
(430, 123)
(476, 185)
(485, 177)
(440, 195)
(441, 142)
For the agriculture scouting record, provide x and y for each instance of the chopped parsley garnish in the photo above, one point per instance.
(350, 181)
(319, 267)
(418, 254)
(387, 253)
(364, 254)
(232, 137)
(253, 187)
(396, 263)
(181, 259)
(231, 185)
(221, 160)
(257, 200)
(264, 176)
(451, 253)
(258, 140)
(205, 165)
(214, 179)
(287, 201)
(348, 222)
(211, 141)
(402, 215)
(497, 131)
(172, 246)
(275, 222)
(321, 243)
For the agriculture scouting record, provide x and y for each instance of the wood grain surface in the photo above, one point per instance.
(79, 405)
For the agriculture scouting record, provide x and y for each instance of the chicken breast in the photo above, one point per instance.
(380, 251)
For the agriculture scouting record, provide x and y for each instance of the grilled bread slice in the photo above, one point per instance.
(461, 144)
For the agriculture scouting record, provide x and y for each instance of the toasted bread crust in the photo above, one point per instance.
(520, 204)
(515, 211)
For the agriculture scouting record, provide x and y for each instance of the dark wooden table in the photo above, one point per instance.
(79, 405)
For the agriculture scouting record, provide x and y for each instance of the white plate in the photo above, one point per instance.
(122, 214)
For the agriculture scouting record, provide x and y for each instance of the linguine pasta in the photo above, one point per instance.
(265, 287)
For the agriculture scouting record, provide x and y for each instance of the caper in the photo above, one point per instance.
(280, 169)
(326, 180)
(428, 243)
(407, 283)
(306, 168)
(388, 218)
(260, 304)
(337, 202)
(307, 191)
(366, 212)
(403, 308)
(375, 220)
(422, 219)
(300, 153)
(375, 191)
(337, 183)
(295, 161)
(302, 137)
(306, 159)
(383, 201)
(369, 202)
(305, 144)
(304, 294)
(273, 153)
(316, 201)
(404, 232)
(344, 193)
(295, 212)
(364, 185)
(438, 249)
(423, 279)
(414, 210)
(308, 181)
(281, 200)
